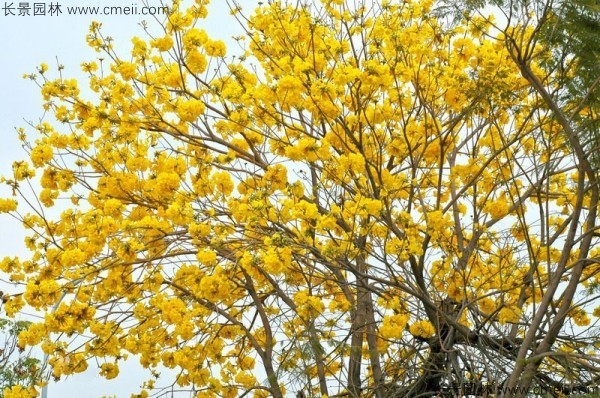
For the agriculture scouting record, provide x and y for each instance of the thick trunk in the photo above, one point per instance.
(356, 344)
(378, 378)
(358, 329)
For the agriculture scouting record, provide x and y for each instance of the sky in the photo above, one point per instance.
(27, 41)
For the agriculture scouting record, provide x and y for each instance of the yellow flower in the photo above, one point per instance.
(393, 326)
(127, 70)
(195, 61)
(190, 110)
(109, 370)
(89, 67)
(20, 392)
(22, 170)
(579, 316)
(194, 38)
(47, 197)
(497, 208)
(215, 48)
(207, 257)
(509, 315)
(72, 257)
(245, 379)
(486, 305)
(162, 43)
(112, 207)
(7, 205)
(422, 328)
(222, 182)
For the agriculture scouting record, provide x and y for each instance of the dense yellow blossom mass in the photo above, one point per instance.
(363, 190)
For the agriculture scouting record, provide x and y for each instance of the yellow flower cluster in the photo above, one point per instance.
(422, 328)
(7, 205)
(393, 326)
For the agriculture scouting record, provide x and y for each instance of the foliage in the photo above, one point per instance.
(366, 201)
(16, 368)
(570, 29)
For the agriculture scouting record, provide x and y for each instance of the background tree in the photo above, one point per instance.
(570, 29)
(16, 367)
(366, 201)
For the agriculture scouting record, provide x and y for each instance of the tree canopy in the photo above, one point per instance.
(363, 199)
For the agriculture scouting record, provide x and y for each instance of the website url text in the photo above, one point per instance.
(26, 9)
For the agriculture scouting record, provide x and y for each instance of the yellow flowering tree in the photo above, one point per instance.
(363, 200)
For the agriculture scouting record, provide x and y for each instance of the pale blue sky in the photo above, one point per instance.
(26, 42)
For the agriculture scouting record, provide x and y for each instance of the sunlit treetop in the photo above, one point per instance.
(317, 210)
